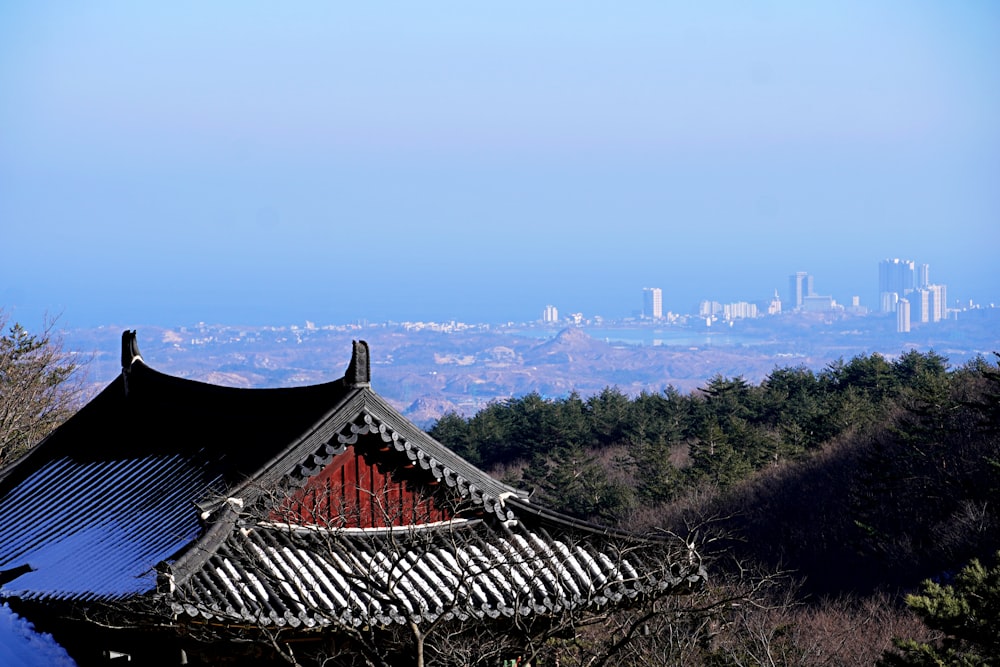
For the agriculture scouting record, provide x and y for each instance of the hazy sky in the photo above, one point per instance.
(166, 163)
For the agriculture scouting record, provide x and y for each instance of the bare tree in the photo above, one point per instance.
(40, 386)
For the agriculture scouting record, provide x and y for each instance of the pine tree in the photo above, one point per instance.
(967, 612)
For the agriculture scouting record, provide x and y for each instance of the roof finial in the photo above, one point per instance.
(130, 349)
(359, 372)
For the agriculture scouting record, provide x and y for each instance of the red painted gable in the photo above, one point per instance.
(357, 489)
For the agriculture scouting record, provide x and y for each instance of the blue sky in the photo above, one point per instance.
(168, 163)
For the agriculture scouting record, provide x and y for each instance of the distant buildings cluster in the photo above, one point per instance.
(904, 289)
(739, 310)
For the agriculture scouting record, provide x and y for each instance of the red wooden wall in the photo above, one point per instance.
(355, 491)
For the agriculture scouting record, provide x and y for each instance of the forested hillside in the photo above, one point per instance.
(849, 486)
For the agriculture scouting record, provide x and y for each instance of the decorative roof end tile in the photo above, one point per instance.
(130, 354)
(359, 371)
(130, 349)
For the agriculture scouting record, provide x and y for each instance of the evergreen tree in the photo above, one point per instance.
(572, 481)
(714, 458)
(967, 612)
(609, 416)
(795, 404)
(658, 425)
(455, 432)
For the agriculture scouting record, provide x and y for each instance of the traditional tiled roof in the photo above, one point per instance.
(113, 492)
(158, 488)
(281, 575)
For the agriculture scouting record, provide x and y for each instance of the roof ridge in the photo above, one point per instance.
(423, 450)
(453, 523)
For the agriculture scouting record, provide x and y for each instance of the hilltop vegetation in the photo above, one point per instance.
(40, 386)
(858, 482)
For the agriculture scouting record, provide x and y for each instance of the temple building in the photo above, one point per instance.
(176, 522)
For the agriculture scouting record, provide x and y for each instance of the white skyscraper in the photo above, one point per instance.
(923, 275)
(920, 305)
(927, 304)
(938, 302)
(652, 303)
(903, 316)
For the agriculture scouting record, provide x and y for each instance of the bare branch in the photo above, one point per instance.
(40, 385)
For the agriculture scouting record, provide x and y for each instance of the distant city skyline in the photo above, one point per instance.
(930, 305)
(902, 280)
(332, 162)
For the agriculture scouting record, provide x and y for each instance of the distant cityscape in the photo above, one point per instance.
(904, 288)
(428, 368)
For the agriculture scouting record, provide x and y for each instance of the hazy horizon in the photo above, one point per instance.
(258, 164)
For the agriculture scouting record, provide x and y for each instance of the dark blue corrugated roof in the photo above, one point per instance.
(101, 538)
(112, 492)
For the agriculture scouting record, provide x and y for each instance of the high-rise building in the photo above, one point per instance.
(550, 315)
(709, 309)
(938, 302)
(896, 276)
(903, 316)
(920, 305)
(923, 275)
(739, 310)
(800, 285)
(652, 303)
(887, 302)
(927, 304)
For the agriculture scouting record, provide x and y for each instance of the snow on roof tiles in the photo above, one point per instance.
(109, 524)
(275, 575)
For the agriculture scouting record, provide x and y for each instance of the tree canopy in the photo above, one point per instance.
(966, 612)
(718, 435)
